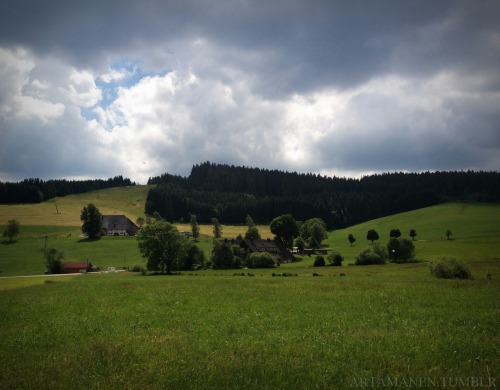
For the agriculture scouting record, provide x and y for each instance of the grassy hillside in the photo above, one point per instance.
(65, 211)
(475, 228)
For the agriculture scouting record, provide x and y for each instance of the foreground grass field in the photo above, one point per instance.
(213, 331)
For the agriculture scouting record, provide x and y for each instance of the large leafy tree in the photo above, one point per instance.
(162, 245)
(285, 229)
(222, 255)
(12, 229)
(313, 231)
(92, 221)
(192, 258)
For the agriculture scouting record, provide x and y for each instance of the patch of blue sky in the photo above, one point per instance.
(121, 74)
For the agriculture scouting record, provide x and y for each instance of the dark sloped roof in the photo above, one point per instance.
(271, 246)
(117, 222)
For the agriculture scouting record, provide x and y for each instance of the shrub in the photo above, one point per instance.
(136, 268)
(319, 261)
(53, 261)
(449, 268)
(380, 250)
(335, 259)
(261, 260)
(400, 249)
(367, 257)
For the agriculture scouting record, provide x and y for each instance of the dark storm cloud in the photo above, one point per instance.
(330, 86)
(305, 44)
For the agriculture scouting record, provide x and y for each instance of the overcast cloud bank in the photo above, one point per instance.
(96, 89)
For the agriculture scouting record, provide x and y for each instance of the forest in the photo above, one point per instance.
(37, 190)
(230, 193)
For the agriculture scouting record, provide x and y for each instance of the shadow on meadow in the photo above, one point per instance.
(10, 242)
(87, 240)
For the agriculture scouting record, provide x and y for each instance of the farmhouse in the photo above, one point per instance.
(74, 268)
(118, 225)
(274, 247)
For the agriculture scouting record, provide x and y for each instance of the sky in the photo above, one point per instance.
(95, 89)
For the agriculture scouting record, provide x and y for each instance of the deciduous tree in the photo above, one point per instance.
(395, 233)
(195, 229)
(217, 228)
(252, 233)
(313, 231)
(335, 259)
(400, 249)
(222, 255)
(140, 221)
(92, 221)
(372, 235)
(300, 244)
(53, 261)
(12, 229)
(351, 239)
(193, 257)
(162, 245)
(285, 229)
(413, 234)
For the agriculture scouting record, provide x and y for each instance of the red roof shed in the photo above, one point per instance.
(73, 268)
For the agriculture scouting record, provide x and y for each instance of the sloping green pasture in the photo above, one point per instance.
(475, 228)
(475, 238)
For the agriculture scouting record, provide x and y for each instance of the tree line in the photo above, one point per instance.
(37, 190)
(230, 193)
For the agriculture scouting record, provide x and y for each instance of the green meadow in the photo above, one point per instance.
(387, 326)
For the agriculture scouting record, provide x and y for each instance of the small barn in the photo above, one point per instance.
(79, 267)
(118, 225)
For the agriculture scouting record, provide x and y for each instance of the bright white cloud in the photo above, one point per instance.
(15, 98)
(114, 75)
(27, 106)
(82, 90)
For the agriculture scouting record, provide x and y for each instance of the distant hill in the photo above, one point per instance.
(66, 210)
(37, 190)
(229, 193)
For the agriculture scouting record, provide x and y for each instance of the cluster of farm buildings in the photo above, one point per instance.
(120, 225)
